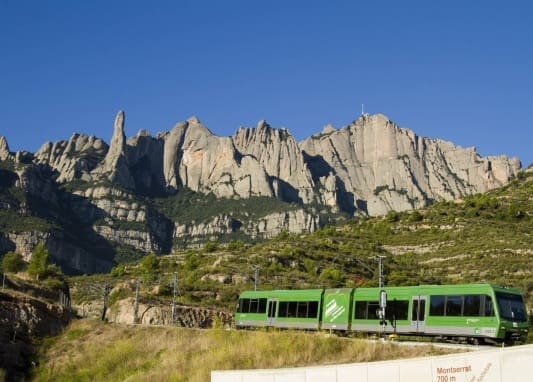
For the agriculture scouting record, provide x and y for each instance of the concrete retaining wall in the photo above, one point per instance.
(513, 364)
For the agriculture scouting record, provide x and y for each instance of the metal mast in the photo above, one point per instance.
(175, 286)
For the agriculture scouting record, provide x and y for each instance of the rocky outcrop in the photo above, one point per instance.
(24, 319)
(282, 159)
(116, 165)
(70, 256)
(203, 162)
(383, 167)
(138, 239)
(155, 313)
(296, 221)
(36, 181)
(268, 226)
(25, 242)
(4, 148)
(73, 159)
(369, 167)
(219, 225)
(146, 159)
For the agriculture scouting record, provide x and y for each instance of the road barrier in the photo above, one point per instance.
(512, 364)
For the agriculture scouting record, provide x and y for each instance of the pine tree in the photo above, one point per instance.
(37, 265)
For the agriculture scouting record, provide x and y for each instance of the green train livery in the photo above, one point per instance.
(470, 312)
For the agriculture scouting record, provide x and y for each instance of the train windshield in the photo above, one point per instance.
(511, 306)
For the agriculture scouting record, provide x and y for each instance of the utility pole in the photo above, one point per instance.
(107, 289)
(4, 281)
(256, 278)
(136, 307)
(379, 259)
(175, 287)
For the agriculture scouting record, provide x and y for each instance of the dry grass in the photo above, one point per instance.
(92, 351)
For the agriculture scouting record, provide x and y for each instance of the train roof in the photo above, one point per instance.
(443, 287)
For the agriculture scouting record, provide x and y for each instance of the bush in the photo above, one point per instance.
(12, 262)
(118, 271)
(149, 266)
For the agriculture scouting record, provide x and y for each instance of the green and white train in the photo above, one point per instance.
(469, 312)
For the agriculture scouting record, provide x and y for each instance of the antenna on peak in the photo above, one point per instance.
(363, 110)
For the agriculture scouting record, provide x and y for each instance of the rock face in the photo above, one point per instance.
(281, 158)
(383, 167)
(4, 148)
(73, 159)
(95, 204)
(203, 162)
(116, 165)
(23, 319)
(154, 313)
(268, 226)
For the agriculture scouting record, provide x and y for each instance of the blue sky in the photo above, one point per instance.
(455, 70)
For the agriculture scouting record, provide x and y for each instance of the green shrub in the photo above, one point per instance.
(12, 262)
(37, 265)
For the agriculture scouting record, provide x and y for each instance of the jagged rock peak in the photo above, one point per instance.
(143, 133)
(4, 148)
(262, 124)
(118, 133)
(328, 129)
(115, 164)
(118, 140)
(194, 120)
(195, 127)
(376, 119)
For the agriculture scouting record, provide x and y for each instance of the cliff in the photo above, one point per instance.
(94, 205)
(27, 313)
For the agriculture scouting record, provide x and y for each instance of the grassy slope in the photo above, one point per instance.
(90, 350)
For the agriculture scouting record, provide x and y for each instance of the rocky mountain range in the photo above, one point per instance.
(94, 204)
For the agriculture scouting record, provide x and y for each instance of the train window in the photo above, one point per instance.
(253, 305)
(488, 308)
(511, 306)
(397, 310)
(262, 305)
(372, 311)
(302, 309)
(366, 310)
(454, 305)
(312, 311)
(244, 305)
(360, 310)
(283, 308)
(472, 305)
(293, 306)
(436, 305)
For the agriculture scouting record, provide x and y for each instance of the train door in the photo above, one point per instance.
(271, 312)
(418, 314)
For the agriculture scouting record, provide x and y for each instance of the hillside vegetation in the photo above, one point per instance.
(483, 238)
(92, 351)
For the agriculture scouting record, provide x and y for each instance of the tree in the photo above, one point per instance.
(149, 266)
(37, 265)
(12, 262)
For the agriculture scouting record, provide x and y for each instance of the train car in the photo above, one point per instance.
(280, 309)
(472, 312)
